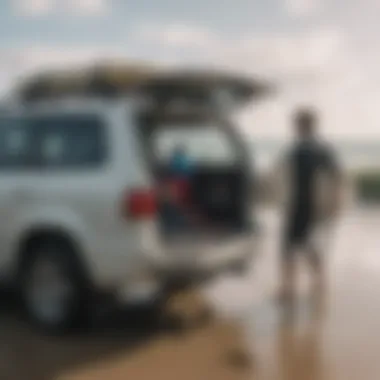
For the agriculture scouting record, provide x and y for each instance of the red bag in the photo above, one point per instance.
(180, 189)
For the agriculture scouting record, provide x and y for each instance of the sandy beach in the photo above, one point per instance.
(339, 340)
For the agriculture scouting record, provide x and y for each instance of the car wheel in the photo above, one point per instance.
(52, 286)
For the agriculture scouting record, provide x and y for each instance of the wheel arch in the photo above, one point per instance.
(37, 234)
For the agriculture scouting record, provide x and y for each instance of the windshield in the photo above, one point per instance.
(203, 143)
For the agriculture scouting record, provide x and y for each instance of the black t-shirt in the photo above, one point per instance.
(307, 158)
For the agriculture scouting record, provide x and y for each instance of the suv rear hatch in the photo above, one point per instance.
(191, 110)
(218, 187)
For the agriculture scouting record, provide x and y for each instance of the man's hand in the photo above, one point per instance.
(335, 200)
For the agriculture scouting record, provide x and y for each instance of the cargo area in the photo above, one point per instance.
(218, 186)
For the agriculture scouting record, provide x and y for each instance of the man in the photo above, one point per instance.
(312, 192)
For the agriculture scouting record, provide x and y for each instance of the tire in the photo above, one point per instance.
(53, 289)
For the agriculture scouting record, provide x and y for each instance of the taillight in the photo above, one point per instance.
(141, 204)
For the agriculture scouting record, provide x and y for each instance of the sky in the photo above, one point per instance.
(319, 53)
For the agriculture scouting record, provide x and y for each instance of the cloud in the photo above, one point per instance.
(176, 35)
(39, 58)
(34, 7)
(45, 7)
(302, 8)
(89, 7)
(285, 57)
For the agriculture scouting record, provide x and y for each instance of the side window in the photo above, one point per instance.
(15, 144)
(71, 142)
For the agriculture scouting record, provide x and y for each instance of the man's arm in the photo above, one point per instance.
(275, 182)
(336, 178)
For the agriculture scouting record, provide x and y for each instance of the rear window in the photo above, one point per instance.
(203, 142)
(70, 142)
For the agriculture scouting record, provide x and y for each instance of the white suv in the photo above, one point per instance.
(79, 209)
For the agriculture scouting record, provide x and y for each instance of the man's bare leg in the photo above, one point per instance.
(317, 266)
(288, 275)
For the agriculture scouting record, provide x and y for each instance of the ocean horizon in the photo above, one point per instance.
(352, 154)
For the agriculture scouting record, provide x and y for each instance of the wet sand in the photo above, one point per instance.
(334, 337)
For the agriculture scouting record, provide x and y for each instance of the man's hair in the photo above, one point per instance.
(305, 121)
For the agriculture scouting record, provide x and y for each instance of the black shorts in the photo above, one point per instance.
(298, 227)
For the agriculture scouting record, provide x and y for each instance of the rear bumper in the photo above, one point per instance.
(182, 264)
(163, 277)
(181, 278)
(197, 260)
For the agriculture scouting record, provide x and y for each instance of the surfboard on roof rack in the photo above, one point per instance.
(98, 80)
(197, 86)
